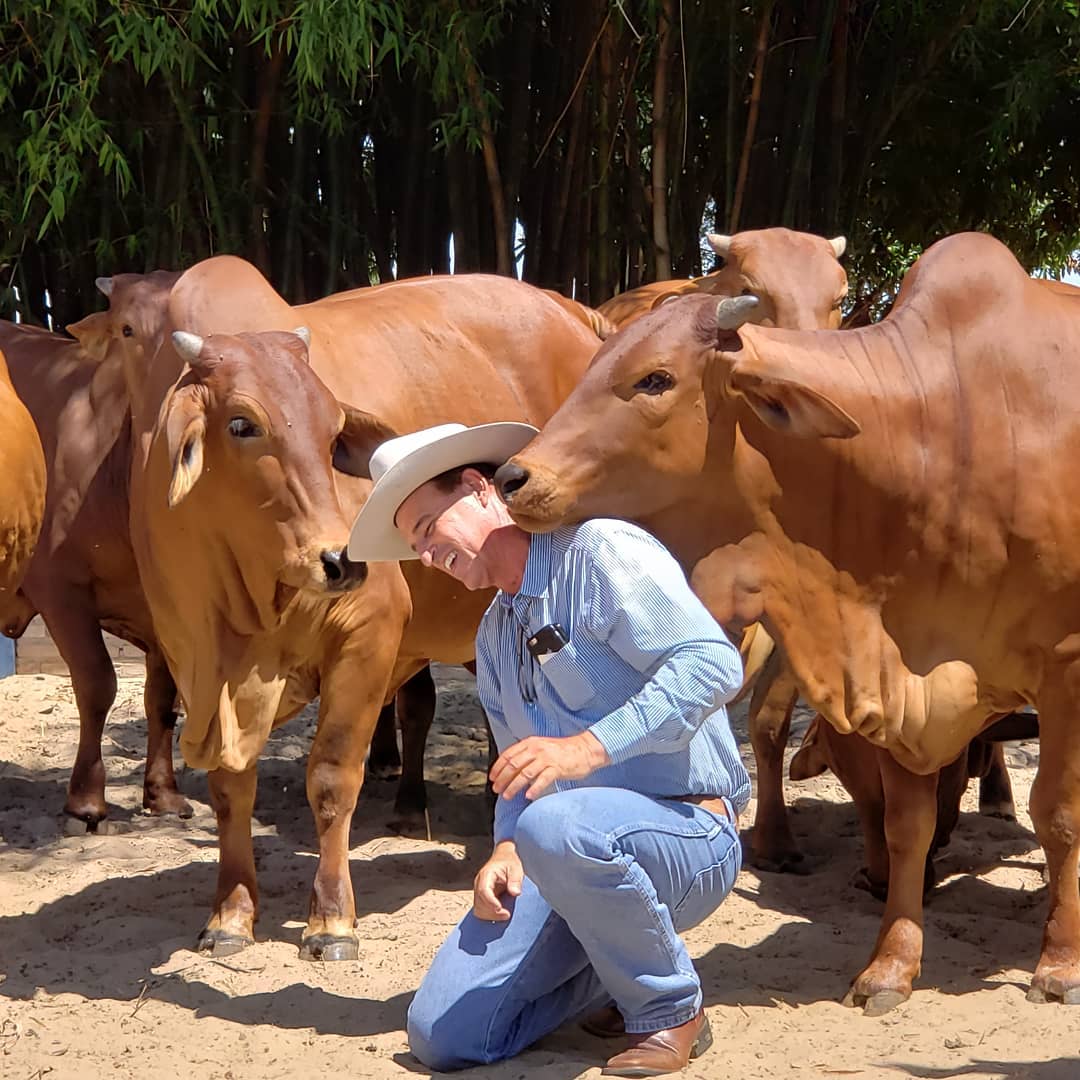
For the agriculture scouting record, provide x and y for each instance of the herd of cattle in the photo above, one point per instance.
(888, 516)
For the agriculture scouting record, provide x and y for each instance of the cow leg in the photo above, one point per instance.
(160, 793)
(1055, 812)
(415, 710)
(855, 763)
(77, 635)
(772, 845)
(384, 759)
(995, 787)
(910, 815)
(236, 902)
(350, 702)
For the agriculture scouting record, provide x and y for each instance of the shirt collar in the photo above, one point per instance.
(537, 576)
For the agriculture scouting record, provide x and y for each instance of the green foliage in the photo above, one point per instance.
(332, 140)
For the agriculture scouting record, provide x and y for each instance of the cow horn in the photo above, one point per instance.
(188, 346)
(104, 285)
(304, 334)
(720, 243)
(733, 311)
(839, 245)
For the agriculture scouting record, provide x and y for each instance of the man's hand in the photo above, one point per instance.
(502, 873)
(536, 763)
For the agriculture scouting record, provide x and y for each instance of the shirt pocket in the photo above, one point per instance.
(566, 675)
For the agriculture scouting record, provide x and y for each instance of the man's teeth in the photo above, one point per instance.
(450, 560)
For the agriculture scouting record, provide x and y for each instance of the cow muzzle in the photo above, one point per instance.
(510, 479)
(341, 572)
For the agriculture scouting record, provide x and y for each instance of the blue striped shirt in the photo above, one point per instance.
(647, 669)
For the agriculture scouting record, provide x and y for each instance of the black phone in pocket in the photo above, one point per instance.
(547, 641)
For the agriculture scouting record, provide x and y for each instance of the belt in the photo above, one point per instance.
(715, 804)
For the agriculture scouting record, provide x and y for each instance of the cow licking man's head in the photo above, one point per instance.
(654, 422)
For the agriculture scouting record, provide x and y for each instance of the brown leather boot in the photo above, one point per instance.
(657, 1053)
(605, 1023)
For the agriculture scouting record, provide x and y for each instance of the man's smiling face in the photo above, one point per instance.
(448, 529)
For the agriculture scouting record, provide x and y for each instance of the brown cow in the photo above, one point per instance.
(22, 494)
(83, 578)
(796, 277)
(240, 521)
(799, 283)
(898, 503)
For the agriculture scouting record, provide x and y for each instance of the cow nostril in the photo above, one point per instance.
(509, 479)
(333, 566)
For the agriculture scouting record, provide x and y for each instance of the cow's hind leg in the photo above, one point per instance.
(236, 903)
(160, 793)
(384, 758)
(910, 815)
(77, 635)
(995, 787)
(415, 703)
(772, 845)
(1055, 811)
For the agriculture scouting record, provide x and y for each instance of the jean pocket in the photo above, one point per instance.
(710, 885)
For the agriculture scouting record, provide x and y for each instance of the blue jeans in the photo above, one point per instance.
(612, 876)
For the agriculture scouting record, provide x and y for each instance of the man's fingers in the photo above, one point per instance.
(486, 904)
(542, 782)
(514, 876)
(518, 784)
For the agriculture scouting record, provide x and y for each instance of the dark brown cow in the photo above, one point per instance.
(240, 523)
(899, 504)
(83, 578)
(796, 277)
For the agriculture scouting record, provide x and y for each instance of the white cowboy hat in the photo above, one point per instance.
(399, 466)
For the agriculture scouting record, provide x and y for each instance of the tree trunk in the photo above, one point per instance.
(760, 52)
(660, 121)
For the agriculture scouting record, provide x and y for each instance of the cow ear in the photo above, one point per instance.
(185, 436)
(361, 436)
(92, 333)
(791, 407)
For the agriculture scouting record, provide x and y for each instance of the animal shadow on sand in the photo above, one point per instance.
(973, 927)
(1061, 1069)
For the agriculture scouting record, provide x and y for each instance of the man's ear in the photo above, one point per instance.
(92, 333)
(361, 436)
(185, 436)
(787, 405)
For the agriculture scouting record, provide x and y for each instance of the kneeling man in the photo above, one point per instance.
(616, 828)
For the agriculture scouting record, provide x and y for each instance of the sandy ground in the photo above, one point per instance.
(97, 978)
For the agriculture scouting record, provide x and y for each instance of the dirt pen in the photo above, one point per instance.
(97, 978)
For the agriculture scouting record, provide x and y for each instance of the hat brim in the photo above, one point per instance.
(374, 537)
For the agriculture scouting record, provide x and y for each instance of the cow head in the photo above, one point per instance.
(252, 438)
(796, 277)
(653, 424)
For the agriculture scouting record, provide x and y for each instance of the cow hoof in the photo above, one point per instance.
(90, 815)
(384, 770)
(1053, 989)
(328, 948)
(879, 890)
(1001, 811)
(876, 1004)
(408, 823)
(784, 862)
(166, 803)
(218, 943)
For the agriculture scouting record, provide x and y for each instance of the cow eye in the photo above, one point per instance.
(127, 331)
(656, 382)
(240, 427)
